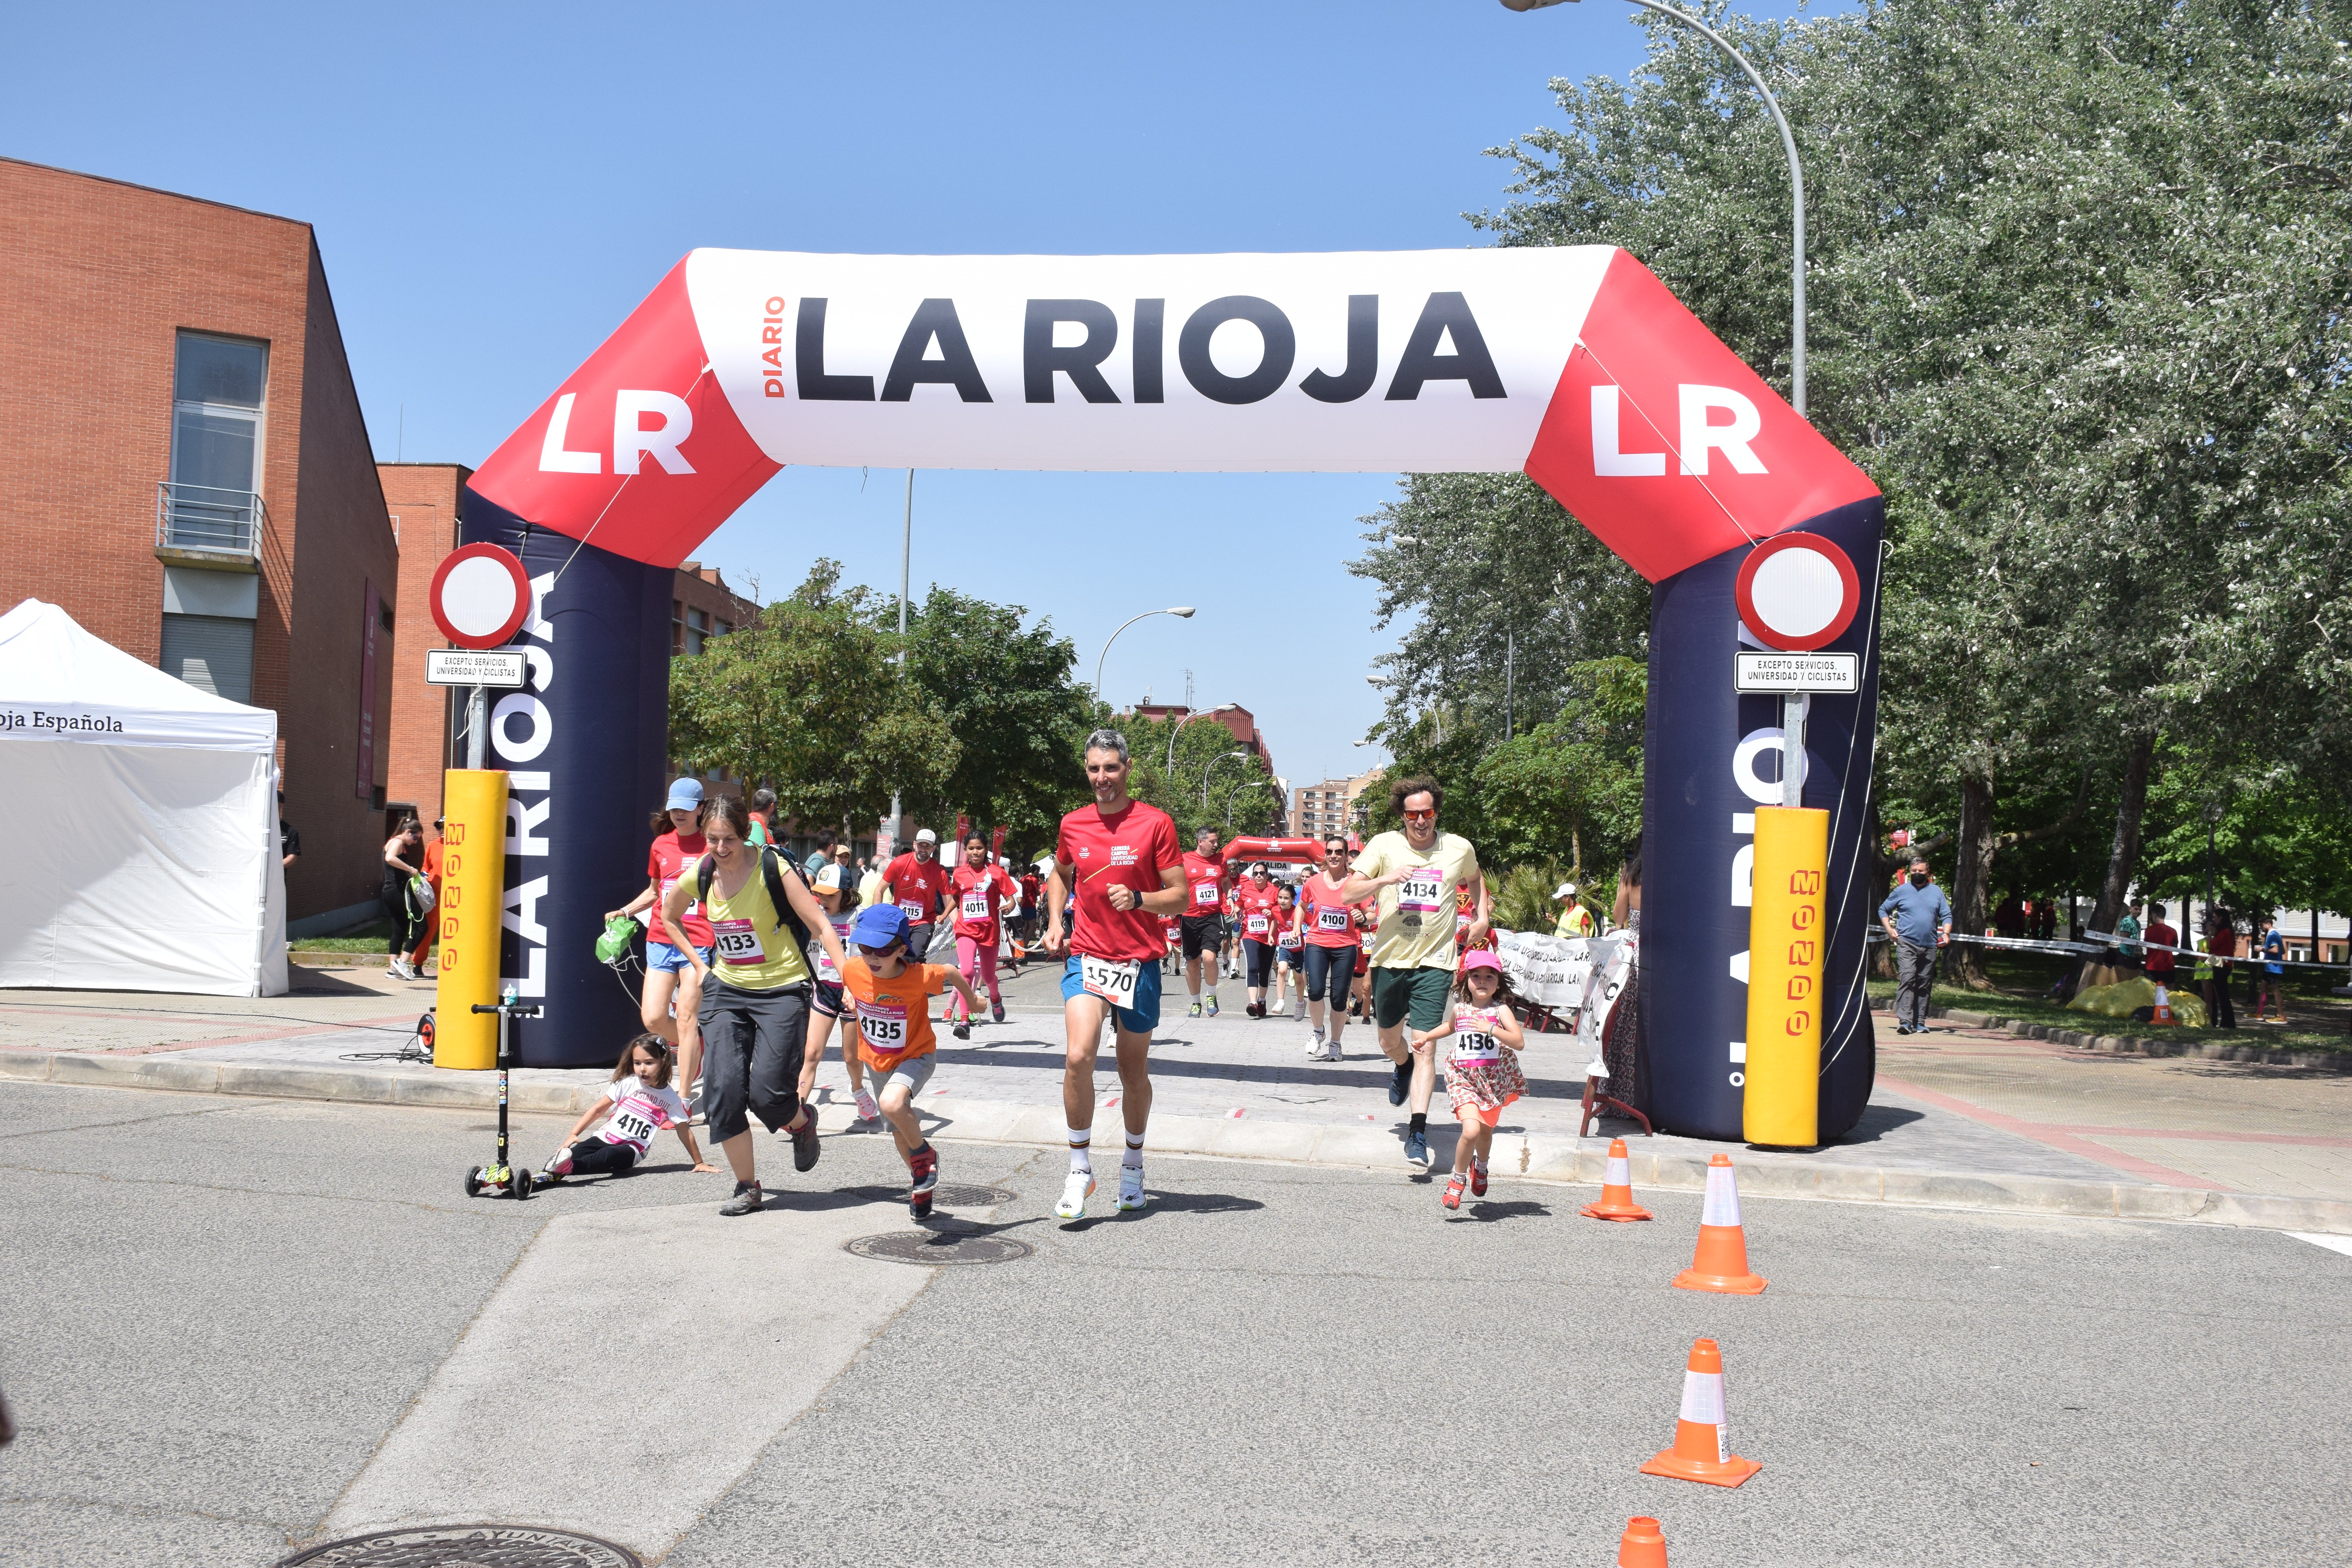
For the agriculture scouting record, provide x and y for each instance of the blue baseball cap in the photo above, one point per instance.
(686, 794)
(881, 926)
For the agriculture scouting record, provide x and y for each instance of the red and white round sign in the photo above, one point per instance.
(1798, 592)
(480, 596)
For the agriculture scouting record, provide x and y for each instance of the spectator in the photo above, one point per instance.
(2128, 932)
(2160, 936)
(2267, 977)
(404, 860)
(764, 817)
(917, 882)
(423, 951)
(821, 855)
(290, 841)
(1575, 920)
(2220, 944)
(1919, 919)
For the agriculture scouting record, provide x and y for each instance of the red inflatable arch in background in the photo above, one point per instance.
(1303, 851)
(1572, 365)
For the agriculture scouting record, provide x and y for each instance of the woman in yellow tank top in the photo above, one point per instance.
(755, 995)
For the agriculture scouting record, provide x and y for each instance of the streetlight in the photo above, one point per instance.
(1212, 768)
(1181, 611)
(1234, 793)
(1796, 177)
(1202, 713)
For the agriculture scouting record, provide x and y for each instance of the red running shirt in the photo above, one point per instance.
(970, 890)
(1133, 847)
(916, 887)
(1204, 884)
(1252, 904)
(1329, 923)
(670, 859)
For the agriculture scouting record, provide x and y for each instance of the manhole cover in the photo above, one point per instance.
(967, 1196)
(937, 1246)
(468, 1546)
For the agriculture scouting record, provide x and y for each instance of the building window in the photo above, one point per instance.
(216, 409)
(211, 653)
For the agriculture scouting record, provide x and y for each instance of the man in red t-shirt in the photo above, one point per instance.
(2157, 936)
(1202, 925)
(917, 883)
(976, 895)
(1122, 859)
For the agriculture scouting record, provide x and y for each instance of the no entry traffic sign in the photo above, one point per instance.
(1797, 591)
(480, 595)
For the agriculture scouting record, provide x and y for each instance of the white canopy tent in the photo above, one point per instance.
(145, 821)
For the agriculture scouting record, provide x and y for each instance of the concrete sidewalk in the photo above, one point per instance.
(1961, 1117)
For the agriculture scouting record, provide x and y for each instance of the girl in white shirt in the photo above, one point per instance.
(637, 1103)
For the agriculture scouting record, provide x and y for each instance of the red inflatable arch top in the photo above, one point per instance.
(1306, 851)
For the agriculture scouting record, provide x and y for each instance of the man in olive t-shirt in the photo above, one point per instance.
(1413, 950)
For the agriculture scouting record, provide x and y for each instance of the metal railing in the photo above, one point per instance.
(205, 516)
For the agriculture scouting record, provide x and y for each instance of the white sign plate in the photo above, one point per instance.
(1797, 672)
(457, 666)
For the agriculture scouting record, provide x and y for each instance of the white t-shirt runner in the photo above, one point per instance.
(639, 1112)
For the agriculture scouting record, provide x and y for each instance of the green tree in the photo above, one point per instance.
(1572, 786)
(1003, 689)
(809, 698)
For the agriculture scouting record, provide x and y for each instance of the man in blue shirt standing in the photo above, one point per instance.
(1919, 921)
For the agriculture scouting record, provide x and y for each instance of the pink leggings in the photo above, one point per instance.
(977, 960)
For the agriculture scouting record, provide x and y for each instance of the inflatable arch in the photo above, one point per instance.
(1573, 364)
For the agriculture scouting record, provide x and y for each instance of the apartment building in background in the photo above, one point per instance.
(192, 483)
(1329, 807)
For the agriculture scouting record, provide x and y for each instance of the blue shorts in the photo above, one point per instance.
(1139, 1019)
(668, 959)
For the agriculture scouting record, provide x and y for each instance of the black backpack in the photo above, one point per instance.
(771, 870)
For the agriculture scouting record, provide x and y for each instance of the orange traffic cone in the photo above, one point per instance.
(1720, 1263)
(1702, 1450)
(2163, 1013)
(1641, 1546)
(1616, 1192)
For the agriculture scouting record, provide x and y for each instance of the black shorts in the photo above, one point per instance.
(1201, 933)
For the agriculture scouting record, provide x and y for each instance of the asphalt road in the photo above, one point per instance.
(225, 1324)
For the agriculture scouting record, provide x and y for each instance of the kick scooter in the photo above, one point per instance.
(504, 1179)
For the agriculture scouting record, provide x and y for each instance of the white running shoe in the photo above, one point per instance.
(866, 1110)
(1130, 1188)
(1074, 1194)
(1331, 1050)
(1315, 1047)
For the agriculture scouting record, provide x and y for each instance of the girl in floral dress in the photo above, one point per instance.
(1482, 1068)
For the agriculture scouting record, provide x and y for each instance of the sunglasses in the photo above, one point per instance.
(1420, 816)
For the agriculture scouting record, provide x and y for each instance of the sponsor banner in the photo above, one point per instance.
(1572, 362)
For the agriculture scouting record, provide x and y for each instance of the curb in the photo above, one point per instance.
(2121, 1044)
(1549, 1159)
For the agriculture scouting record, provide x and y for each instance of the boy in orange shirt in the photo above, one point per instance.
(891, 998)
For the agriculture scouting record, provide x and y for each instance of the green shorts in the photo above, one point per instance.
(1422, 991)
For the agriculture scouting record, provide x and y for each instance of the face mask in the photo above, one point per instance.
(1918, 879)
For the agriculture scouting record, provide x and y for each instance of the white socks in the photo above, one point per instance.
(1081, 1150)
(1133, 1159)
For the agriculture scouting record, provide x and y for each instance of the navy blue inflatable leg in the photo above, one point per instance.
(1712, 758)
(583, 744)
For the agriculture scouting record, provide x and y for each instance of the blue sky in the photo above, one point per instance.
(495, 187)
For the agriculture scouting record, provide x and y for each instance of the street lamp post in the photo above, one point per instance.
(1212, 768)
(1233, 794)
(1203, 713)
(1796, 177)
(1181, 611)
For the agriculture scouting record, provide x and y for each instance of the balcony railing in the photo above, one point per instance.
(205, 516)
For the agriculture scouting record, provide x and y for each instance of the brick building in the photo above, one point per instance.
(192, 481)
(1238, 720)
(1330, 804)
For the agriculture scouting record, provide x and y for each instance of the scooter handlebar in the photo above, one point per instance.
(518, 1011)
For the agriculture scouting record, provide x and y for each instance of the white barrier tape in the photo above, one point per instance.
(2234, 960)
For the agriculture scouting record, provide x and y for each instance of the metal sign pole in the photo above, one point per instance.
(478, 723)
(1792, 747)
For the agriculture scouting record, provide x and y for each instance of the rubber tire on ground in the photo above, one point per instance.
(474, 1181)
(519, 1183)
